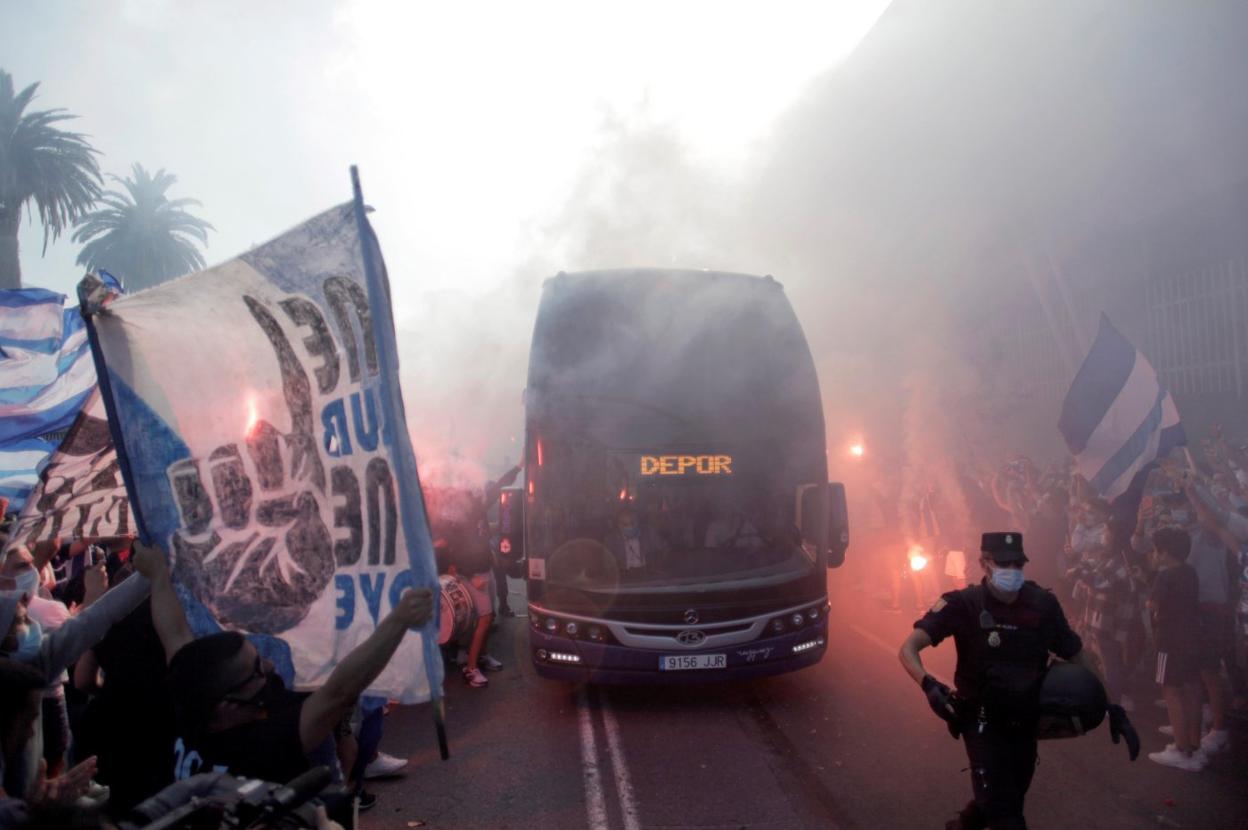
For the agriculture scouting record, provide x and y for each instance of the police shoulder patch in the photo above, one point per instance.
(940, 603)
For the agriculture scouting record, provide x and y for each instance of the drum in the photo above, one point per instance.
(459, 612)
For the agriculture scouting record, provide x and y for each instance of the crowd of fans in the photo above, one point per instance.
(1156, 581)
(107, 699)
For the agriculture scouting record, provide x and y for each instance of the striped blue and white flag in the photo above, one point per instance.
(1117, 418)
(46, 375)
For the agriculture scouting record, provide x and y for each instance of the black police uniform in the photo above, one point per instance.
(1003, 649)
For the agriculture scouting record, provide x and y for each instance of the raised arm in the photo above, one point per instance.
(167, 615)
(65, 645)
(326, 706)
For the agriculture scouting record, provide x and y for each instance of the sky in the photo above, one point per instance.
(485, 133)
(470, 122)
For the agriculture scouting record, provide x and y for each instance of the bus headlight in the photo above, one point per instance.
(552, 625)
(797, 619)
(777, 625)
(571, 629)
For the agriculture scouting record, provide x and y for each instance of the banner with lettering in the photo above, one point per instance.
(257, 415)
(79, 492)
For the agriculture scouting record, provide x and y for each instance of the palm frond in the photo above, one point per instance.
(139, 233)
(41, 165)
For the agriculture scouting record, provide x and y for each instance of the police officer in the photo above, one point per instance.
(1005, 629)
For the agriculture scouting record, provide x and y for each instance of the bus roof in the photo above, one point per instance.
(692, 274)
(702, 348)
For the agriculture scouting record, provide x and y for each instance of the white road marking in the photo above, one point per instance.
(623, 785)
(595, 799)
(595, 803)
(891, 649)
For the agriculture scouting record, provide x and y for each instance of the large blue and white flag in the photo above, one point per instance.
(46, 376)
(1117, 418)
(256, 418)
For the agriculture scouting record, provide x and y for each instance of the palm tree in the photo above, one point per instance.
(40, 162)
(141, 235)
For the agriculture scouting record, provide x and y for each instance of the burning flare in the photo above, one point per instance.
(253, 416)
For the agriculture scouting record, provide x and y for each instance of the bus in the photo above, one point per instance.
(676, 522)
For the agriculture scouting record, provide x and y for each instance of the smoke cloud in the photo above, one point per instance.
(911, 197)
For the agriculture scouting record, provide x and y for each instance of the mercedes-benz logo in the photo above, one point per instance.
(691, 617)
(691, 638)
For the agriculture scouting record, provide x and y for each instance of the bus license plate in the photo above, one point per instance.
(679, 662)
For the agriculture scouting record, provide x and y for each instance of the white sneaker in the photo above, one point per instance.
(1167, 730)
(1198, 754)
(489, 663)
(1215, 740)
(1171, 757)
(384, 766)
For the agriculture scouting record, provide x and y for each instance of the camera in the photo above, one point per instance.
(219, 801)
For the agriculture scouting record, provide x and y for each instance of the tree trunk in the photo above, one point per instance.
(10, 266)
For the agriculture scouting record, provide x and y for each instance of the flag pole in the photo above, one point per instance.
(394, 428)
(110, 409)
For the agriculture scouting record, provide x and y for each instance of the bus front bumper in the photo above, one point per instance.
(564, 658)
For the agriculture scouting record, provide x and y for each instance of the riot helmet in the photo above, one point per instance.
(1072, 702)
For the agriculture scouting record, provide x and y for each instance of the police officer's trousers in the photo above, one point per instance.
(1003, 759)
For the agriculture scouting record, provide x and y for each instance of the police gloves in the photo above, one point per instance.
(939, 697)
(1120, 727)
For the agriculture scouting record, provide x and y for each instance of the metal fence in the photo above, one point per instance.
(1195, 331)
(1192, 326)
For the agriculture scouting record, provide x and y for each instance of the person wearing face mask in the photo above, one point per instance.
(50, 614)
(1005, 629)
(23, 639)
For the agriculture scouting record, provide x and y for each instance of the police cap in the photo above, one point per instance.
(1005, 548)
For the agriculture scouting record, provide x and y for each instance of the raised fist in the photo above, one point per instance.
(254, 548)
(415, 607)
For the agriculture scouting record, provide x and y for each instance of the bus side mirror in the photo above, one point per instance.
(511, 531)
(823, 518)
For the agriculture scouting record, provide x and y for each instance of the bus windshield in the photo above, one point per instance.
(671, 417)
(635, 519)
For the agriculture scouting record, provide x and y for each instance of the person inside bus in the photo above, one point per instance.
(638, 550)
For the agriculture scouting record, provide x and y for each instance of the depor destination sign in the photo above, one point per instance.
(681, 465)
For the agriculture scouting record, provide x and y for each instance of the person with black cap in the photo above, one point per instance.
(1004, 628)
